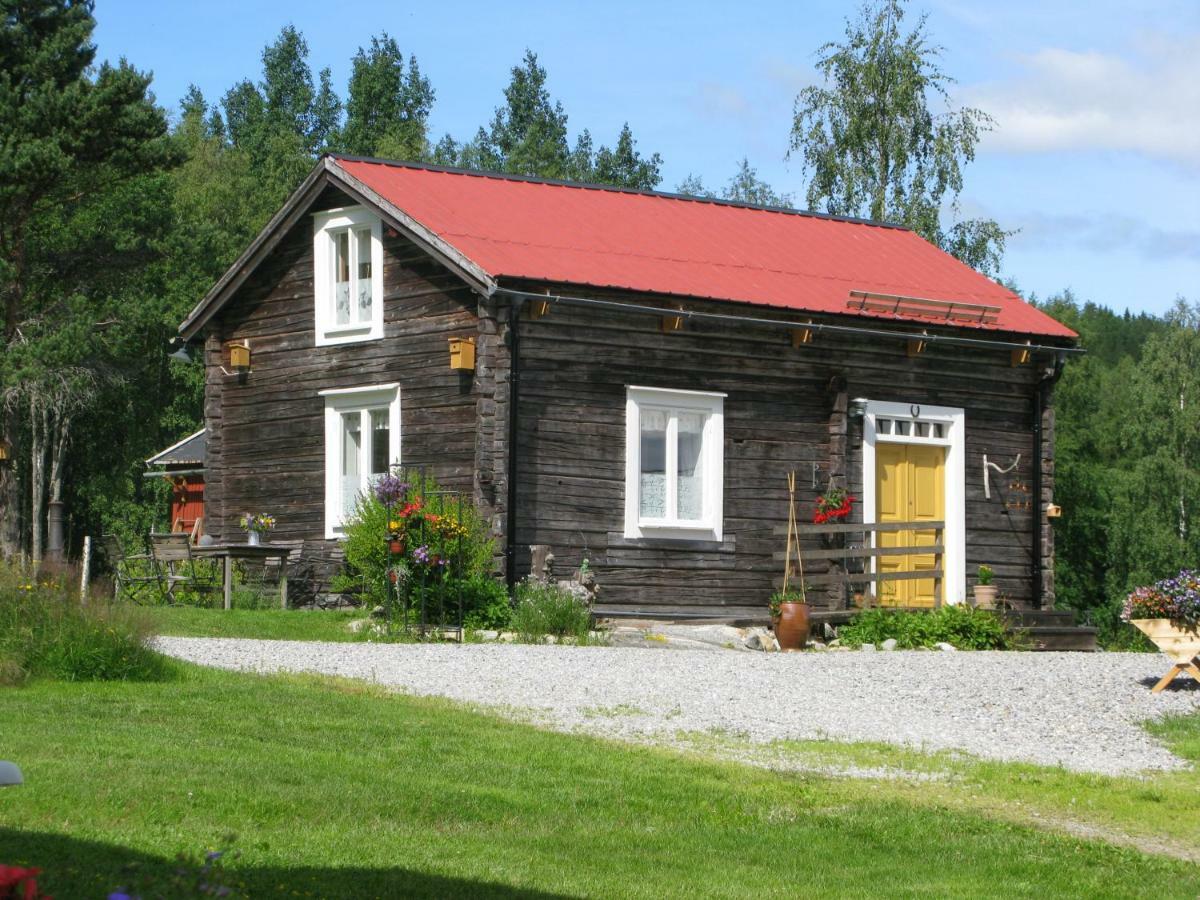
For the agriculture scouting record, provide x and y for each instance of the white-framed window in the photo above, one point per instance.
(911, 423)
(347, 276)
(674, 463)
(362, 442)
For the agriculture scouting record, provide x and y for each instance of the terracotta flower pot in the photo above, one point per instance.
(985, 596)
(791, 629)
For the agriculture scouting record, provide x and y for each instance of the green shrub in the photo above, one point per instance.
(546, 609)
(445, 548)
(963, 626)
(487, 602)
(45, 632)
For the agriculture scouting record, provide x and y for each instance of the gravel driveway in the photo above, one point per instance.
(1078, 710)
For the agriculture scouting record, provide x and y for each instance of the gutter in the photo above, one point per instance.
(1045, 383)
(819, 327)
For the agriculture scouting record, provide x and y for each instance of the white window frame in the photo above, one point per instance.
(953, 420)
(347, 400)
(710, 526)
(326, 226)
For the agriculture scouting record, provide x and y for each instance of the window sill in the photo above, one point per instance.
(349, 335)
(681, 539)
(705, 533)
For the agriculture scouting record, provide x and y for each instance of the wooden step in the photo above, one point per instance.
(1078, 638)
(1030, 618)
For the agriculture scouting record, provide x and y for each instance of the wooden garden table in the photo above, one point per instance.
(230, 552)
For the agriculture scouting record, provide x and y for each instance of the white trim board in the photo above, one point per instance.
(338, 401)
(710, 526)
(954, 420)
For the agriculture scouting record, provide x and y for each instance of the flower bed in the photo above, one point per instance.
(1177, 599)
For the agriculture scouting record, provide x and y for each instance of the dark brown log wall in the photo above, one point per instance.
(266, 434)
(785, 410)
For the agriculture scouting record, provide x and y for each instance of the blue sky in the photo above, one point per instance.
(1096, 158)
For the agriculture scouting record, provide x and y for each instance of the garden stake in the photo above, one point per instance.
(793, 535)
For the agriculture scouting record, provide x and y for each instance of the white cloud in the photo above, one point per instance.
(722, 101)
(1105, 233)
(1146, 101)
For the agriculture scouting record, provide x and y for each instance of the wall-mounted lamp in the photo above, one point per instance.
(1021, 356)
(858, 408)
(802, 336)
(462, 354)
(1053, 511)
(536, 309)
(5, 450)
(670, 324)
(917, 346)
(181, 353)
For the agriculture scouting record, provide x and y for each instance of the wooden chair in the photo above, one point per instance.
(135, 575)
(178, 567)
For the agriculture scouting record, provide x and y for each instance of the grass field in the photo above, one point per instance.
(276, 624)
(334, 789)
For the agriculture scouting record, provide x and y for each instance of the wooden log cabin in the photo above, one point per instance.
(646, 371)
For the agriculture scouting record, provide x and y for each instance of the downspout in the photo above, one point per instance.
(1048, 379)
(514, 397)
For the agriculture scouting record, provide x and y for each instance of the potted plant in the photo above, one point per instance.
(790, 618)
(256, 526)
(985, 591)
(1168, 612)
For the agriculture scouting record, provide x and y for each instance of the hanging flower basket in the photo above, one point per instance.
(834, 506)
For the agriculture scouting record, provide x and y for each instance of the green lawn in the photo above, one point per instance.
(278, 624)
(337, 790)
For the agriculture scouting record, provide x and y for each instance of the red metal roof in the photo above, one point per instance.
(547, 231)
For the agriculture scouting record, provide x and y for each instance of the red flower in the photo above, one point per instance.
(12, 878)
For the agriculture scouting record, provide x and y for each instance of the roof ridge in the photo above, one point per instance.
(612, 188)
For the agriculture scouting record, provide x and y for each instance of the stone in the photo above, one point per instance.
(835, 643)
(378, 612)
(357, 625)
(830, 632)
(946, 648)
(867, 648)
(815, 645)
(889, 644)
(487, 634)
(764, 641)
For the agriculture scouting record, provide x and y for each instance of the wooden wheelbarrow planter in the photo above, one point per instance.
(1181, 646)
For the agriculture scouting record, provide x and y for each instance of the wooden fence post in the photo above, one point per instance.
(85, 569)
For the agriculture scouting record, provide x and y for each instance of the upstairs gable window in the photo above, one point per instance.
(347, 276)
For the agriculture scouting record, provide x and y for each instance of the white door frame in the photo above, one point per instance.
(953, 422)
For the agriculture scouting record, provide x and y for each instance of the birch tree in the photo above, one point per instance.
(879, 138)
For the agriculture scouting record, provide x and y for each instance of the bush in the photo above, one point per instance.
(547, 609)
(45, 632)
(445, 548)
(487, 602)
(963, 626)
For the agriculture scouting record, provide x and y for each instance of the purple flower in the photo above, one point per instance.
(421, 554)
(390, 490)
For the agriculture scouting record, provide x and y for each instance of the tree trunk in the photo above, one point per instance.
(10, 493)
(38, 422)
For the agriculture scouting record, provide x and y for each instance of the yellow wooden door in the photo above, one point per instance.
(910, 487)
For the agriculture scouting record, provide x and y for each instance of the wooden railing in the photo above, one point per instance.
(839, 557)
